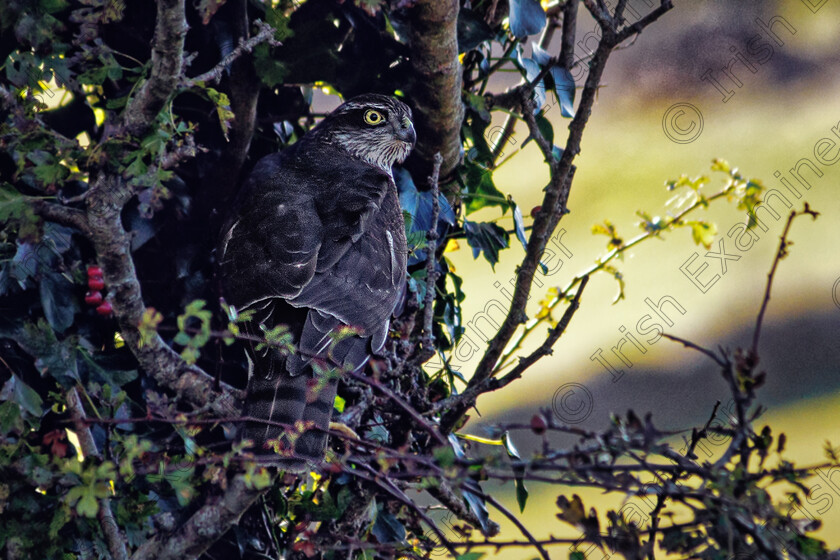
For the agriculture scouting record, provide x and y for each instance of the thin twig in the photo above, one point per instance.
(494, 383)
(693, 346)
(780, 254)
(522, 529)
(431, 260)
(416, 416)
(265, 35)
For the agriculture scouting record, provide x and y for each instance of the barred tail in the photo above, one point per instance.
(284, 400)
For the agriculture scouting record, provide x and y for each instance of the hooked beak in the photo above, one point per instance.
(404, 131)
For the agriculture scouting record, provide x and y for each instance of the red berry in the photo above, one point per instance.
(538, 424)
(94, 271)
(535, 210)
(104, 308)
(93, 298)
(96, 283)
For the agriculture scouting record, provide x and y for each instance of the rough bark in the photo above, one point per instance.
(113, 249)
(205, 526)
(437, 90)
(167, 64)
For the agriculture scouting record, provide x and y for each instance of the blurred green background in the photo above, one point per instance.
(772, 121)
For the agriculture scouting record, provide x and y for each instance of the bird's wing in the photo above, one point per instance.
(270, 247)
(363, 286)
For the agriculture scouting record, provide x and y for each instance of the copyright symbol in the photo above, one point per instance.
(835, 293)
(682, 123)
(572, 403)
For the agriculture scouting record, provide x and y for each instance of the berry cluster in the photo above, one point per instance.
(94, 295)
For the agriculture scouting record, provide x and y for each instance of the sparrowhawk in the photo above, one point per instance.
(316, 241)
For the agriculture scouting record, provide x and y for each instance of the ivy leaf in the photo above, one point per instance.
(10, 417)
(419, 206)
(481, 190)
(518, 224)
(532, 70)
(487, 238)
(24, 395)
(472, 30)
(388, 529)
(527, 17)
(58, 299)
(270, 71)
(562, 81)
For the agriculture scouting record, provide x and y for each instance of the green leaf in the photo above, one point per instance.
(703, 233)
(487, 238)
(472, 30)
(519, 224)
(10, 417)
(26, 396)
(58, 298)
(88, 506)
(480, 190)
(388, 529)
(470, 556)
(444, 455)
(223, 110)
(270, 71)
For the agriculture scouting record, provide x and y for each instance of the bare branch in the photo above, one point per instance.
(455, 504)
(61, 215)
(567, 47)
(522, 529)
(552, 209)
(431, 259)
(494, 383)
(600, 13)
(637, 27)
(113, 249)
(431, 429)
(265, 34)
(693, 346)
(167, 62)
(780, 254)
(205, 526)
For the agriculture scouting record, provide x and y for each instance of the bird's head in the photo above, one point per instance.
(372, 127)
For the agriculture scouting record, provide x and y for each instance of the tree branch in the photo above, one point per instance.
(113, 248)
(567, 47)
(61, 215)
(781, 253)
(437, 95)
(265, 34)
(167, 62)
(205, 526)
(548, 217)
(637, 27)
(431, 258)
(471, 394)
(113, 537)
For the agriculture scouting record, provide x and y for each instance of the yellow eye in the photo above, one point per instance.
(374, 117)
